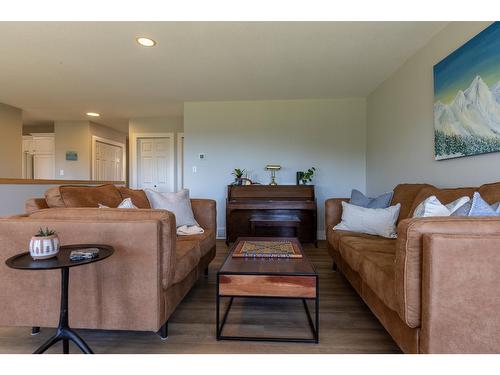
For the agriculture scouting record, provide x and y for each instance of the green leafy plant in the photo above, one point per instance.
(308, 175)
(238, 173)
(45, 232)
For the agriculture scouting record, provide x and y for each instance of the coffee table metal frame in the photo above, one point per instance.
(313, 323)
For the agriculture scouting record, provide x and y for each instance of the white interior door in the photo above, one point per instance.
(180, 161)
(44, 166)
(108, 162)
(155, 164)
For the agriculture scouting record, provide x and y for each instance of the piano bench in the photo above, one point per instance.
(274, 220)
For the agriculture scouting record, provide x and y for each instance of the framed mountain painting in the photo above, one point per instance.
(467, 98)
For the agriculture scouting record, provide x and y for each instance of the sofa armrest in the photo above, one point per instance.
(409, 249)
(205, 213)
(333, 211)
(35, 204)
(166, 220)
(460, 297)
(121, 292)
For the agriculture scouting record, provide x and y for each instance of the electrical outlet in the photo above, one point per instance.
(61, 172)
(194, 168)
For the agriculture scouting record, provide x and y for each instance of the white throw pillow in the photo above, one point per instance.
(378, 221)
(178, 203)
(126, 203)
(433, 207)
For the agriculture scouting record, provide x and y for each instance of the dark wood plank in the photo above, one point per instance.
(267, 286)
(267, 266)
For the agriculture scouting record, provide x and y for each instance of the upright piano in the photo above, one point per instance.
(250, 208)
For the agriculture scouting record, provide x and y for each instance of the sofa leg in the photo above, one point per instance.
(163, 331)
(334, 267)
(205, 273)
(35, 331)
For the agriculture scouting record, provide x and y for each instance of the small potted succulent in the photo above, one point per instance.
(238, 176)
(44, 244)
(305, 177)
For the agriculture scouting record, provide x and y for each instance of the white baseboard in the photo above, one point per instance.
(221, 234)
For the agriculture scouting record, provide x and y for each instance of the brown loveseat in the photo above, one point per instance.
(137, 288)
(436, 288)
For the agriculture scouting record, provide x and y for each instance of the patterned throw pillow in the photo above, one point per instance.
(478, 207)
(361, 200)
(433, 207)
(126, 203)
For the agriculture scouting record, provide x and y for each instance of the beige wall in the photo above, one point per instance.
(153, 125)
(400, 141)
(72, 136)
(11, 141)
(297, 134)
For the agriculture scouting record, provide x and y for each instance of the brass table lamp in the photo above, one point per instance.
(273, 168)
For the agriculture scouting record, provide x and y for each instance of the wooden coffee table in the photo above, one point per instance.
(284, 278)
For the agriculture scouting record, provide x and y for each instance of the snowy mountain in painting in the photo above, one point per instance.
(473, 112)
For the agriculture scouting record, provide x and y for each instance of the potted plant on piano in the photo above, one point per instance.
(303, 178)
(238, 176)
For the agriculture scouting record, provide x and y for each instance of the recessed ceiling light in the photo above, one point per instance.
(93, 114)
(146, 42)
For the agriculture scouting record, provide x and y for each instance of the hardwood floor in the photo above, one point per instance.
(346, 323)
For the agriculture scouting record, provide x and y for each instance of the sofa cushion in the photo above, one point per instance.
(490, 192)
(445, 196)
(139, 198)
(53, 198)
(373, 259)
(187, 257)
(205, 240)
(405, 194)
(83, 196)
(334, 236)
(377, 271)
(354, 249)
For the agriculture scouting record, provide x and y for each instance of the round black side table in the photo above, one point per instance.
(24, 261)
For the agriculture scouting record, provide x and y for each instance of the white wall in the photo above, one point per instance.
(400, 139)
(14, 197)
(297, 134)
(11, 142)
(73, 136)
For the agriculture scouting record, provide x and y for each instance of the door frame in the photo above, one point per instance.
(180, 156)
(96, 139)
(133, 156)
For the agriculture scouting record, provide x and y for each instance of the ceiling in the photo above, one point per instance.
(61, 70)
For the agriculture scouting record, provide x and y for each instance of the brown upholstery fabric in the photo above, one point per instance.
(445, 196)
(333, 211)
(337, 235)
(408, 271)
(120, 292)
(460, 299)
(205, 213)
(187, 257)
(373, 259)
(405, 194)
(35, 204)
(205, 240)
(53, 198)
(166, 221)
(139, 198)
(490, 192)
(90, 196)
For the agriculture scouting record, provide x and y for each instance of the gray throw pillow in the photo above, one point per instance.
(178, 203)
(359, 199)
(477, 206)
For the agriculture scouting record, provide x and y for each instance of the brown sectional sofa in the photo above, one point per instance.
(436, 287)
(137, 288)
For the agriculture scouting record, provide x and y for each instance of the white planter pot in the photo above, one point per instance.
(44, 247)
